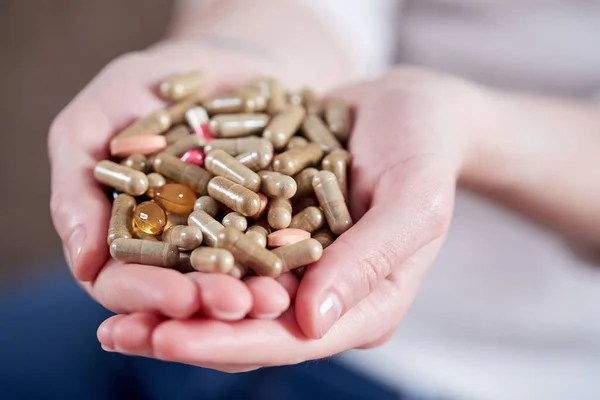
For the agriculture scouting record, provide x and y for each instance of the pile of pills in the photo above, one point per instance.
(248, 181)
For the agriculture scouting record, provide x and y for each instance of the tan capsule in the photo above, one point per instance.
(184, 264)
(222, 164)
(316, 131)
(237, 146)
(299, 254)
(235, 220)
(175, 219)
(296, 141)
(310, 219)
(299, 204)
(304, 182)
(310, 101)
(192, 176)
(283, 126)
(155, 180)
(184, 144)
(337, 116)
(176, 133)
(120, 177)
(152, 124)
(209, 226)
(207, 204)
(146, 252)
(179, 86)
(261, 85)
(236, 125)
(234, 196)
(324, 236)
(258, 233)
(238, 271)
(337, 162)
(294, 98)
(138, 162)
(140, 234)
(182, 236)
(279, 215)
(178, 110)
(121, 218)
(295, 160)
(235, 102)
(212, 260)
(332, 202)
(259, 158)
(277, 185)
(277, 101)
(249, 254)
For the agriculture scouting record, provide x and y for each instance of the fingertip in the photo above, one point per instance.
(222, 296)
(132, 334)
(105, 332)
(290, 283)
(270, 298)
(183, 302)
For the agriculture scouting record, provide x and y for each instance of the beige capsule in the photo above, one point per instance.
(304, 182)
(324, 236)
(277, 185)
(207, 204)
(153, 124)
(296, 141)
(235, 196)
(196, 117)
(259, 158)
(121, 218)
(338, 162)
(241, 101)
(316, 131)
(279, 215)
(310, 101)
(138, 162)
(258, 233)
(146, 252)
(235, 146)
(338, 118)
(120, 177)
(155, 180)
(209, 226)
(238, 271)
(235, 220)
(261, 85)
(299, 204)
(192, 176)
(212, 260)
(249, 254)
(179, 86)
(178, 110)
(332, 202)
(222, 164)
(176, 133)
(283, 126)
(236, 125)
(184, 144)
(183, 236)
(175, 219)
(277, 101)
(295, 160)
(299, 254)
(310, 219)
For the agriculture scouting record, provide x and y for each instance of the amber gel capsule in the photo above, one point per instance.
(139, 162)
(310, 219)
(222, 164)
(283, 126)
(304, 182)
(149, 217)
(209, 226)
(337, 162)
(175, 198)
(152, 124)
(121, 218)
(180, 86)
(192, 176)
(299, 254)
(122, 178)
(139, 234)
(234, 196)
(182, 236)
(147, 252)
(316, 131)
(235, 220)
(295, 160)
(249, 253)
(332, 202)
(211, 260)
(279, 215)
(337, 116)
(235, 125)
(277, 185)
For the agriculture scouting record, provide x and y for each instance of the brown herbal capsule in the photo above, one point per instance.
(122, 178)
(207, 204)
(310, 219)
(235, 220)
(155, 180)
(304, 182)
(234, 196)
(176, 133)
(246, 101)
(152, 124)
(212, 260)
(222, 164)
(310, 101)
(337, 116)
(236, 125)
(175, 219)
(316, 131)
(138, 162)
(280, 213)
(296, 141)
(277, 185)
(337, 162)
(182, 236)
(121, 218)
(332, 202)
(277, 100)
(179, 86)
(258, 233)
(209, 226)
(192, 176)
(237, 146)
(146, 252)
(184, 264)
(299, 254)
(283, 126)
(295, 160)
(184, 144)
(178, 110)
(249, 254)
(324, 236)
(238, 271)
(259, 158)
(301, 203)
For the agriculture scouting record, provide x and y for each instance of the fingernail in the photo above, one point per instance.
(75, 244)
(330, 311)
(106, 348)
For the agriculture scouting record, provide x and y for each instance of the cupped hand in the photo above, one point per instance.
(415, 135)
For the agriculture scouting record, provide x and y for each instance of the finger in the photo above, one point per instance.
(133, 333)
(127, 288)
(270, 299)
(104, 332)
(379, 342)
(223, 297)
(290, 283)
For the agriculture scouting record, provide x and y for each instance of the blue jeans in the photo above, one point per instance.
(49, 350)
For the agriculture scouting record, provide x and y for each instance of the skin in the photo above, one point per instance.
(433, 132)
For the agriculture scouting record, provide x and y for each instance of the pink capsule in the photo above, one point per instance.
(204, 130)
(194, 156)
(139, 144)
(283, 237)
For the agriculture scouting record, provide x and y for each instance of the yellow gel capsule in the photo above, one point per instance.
(149, 217)
(175, 198)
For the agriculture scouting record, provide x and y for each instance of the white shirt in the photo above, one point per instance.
(507, 311)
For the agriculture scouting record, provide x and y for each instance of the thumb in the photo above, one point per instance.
(411, 207)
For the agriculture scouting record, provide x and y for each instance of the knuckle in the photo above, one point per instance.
(377, 265)
(436, 210)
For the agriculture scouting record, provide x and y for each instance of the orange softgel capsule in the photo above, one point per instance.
(149, 217)
(175, 198)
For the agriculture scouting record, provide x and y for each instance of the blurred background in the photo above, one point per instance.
(49, 51)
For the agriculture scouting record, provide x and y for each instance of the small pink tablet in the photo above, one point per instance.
(139, 144)
(287, 236)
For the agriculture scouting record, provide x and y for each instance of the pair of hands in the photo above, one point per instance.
(414, 135)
